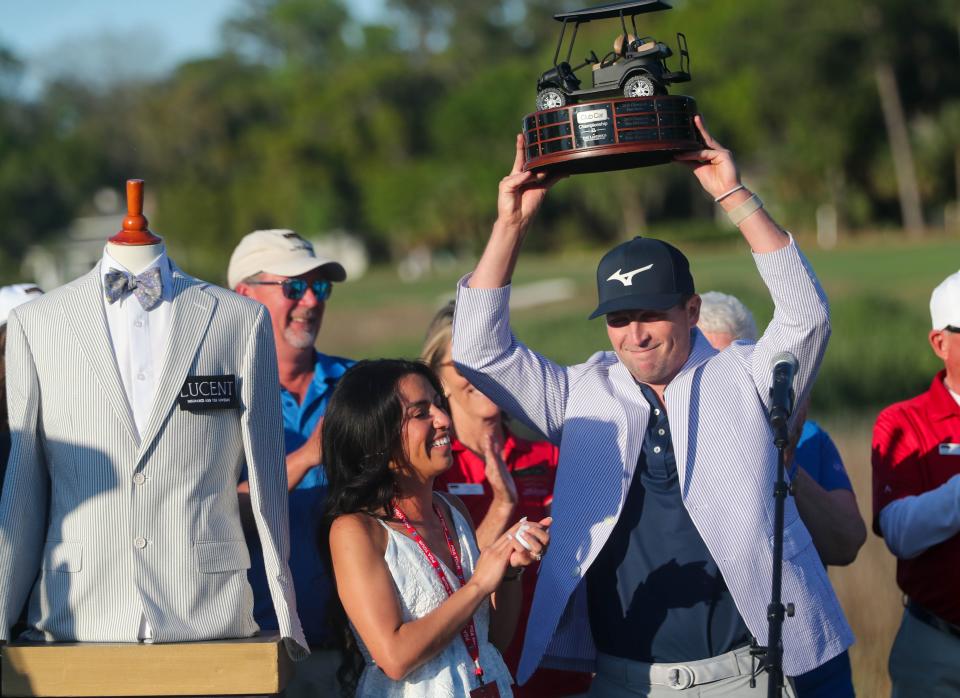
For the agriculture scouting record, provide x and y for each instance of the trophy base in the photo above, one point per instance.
(614, 134)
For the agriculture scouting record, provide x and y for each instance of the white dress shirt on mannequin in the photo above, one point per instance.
(139, 339)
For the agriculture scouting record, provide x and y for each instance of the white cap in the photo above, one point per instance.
(280, 252)
(12, 296)
(945, 303)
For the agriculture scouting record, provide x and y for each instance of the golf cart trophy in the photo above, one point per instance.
(626, 118)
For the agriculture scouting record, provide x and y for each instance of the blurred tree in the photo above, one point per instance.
(399, 131)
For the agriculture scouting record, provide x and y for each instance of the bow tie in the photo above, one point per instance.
(146, 286)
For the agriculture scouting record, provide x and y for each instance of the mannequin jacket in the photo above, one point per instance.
(726, 462)
(100, 529)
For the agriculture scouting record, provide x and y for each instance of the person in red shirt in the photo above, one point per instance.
(498, 476)
(916, 504)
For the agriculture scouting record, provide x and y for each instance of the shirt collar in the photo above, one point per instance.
(328, 368)
(162, 261)
(942, 403)
(955, 396)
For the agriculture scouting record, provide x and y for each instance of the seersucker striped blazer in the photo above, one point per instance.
(99, 528)
(726, 462)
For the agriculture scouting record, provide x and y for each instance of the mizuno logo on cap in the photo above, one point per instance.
(627, 278)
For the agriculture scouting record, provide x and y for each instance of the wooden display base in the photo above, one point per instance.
(612, 134)
(257, 666)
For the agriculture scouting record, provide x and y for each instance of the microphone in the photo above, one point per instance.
(785, 367)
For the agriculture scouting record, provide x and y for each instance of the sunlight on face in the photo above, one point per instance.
(653, 344)
(426, 427)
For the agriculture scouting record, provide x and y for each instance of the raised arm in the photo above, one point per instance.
(801, 318)
(504, 504)
(520, 196)
(525, 384)
(718, 174)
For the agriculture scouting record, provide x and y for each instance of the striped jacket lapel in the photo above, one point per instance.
(637, 412)
(679, 396)
(191, 313)
(83, 310)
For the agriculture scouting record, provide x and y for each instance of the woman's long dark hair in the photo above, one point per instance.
(362, 434)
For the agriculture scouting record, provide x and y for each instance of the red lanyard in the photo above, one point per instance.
(469, 632)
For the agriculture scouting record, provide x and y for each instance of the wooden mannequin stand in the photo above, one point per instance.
(257, 666)
(135, 231)
(135, 247)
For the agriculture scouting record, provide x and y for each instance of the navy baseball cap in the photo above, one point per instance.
(642, 274)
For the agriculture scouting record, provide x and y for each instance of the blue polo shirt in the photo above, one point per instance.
(819, 457)
(654, 593)
(310, 579)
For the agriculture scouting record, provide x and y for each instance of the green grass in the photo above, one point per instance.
(879, 290)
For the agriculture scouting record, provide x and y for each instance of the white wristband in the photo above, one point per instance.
(725, 194)
(739, 214)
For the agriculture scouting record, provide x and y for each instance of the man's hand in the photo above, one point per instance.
(713, 166)
(521, 193)
(519, 198)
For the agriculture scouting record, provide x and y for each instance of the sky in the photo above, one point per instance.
(118, 38)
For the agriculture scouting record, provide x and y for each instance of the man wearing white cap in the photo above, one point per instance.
(279, 269)
(916, 507)
(10, 298)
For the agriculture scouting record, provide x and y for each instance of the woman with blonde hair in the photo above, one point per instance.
(498, 476)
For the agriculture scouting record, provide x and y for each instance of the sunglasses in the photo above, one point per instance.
(951, 328)
(295, 289)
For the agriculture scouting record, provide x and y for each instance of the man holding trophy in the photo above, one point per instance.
(660, 568)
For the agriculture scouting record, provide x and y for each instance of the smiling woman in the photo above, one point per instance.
(421, 612)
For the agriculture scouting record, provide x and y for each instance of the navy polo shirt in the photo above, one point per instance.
(310, 579)
(654, 592)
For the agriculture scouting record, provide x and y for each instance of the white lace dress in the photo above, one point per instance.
(419, 591)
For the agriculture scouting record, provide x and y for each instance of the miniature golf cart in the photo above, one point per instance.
(636, 67)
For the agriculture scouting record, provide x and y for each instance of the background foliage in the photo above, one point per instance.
(398, 132)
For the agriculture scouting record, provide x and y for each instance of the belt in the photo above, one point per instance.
(932, 619)
(680, 675)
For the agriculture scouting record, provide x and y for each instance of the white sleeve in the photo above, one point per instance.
(525, 384)
(911, 525)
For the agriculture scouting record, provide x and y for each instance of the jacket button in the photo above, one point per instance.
(140, 543)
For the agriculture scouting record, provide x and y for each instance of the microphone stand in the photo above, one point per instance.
(776, 611)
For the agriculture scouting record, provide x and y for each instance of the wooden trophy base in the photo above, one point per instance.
(610, 134)
(256, 666)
